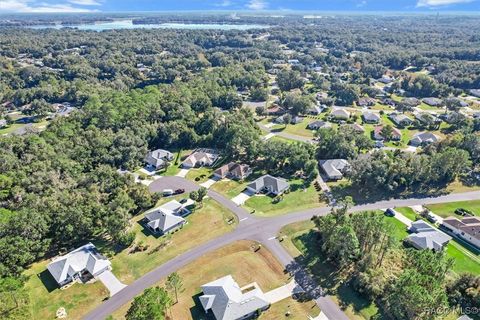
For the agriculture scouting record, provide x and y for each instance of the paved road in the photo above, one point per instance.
(254, 228)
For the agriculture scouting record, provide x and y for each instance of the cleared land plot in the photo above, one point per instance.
(127, 266)
(239, 260)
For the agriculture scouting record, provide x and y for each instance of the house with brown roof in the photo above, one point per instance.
(234, 171)
(377, 134)
(467, 229)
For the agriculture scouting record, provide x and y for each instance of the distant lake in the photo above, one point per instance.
(128, 24)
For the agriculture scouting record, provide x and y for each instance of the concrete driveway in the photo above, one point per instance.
(283, 292)
(111, 282)
(207, 184)
(182, 173)
(241, 198)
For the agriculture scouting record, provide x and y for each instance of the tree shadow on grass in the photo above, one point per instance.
(318, 277)
(48, 281)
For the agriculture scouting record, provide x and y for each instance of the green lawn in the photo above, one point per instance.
(408, 212)
(11, 128)
(199, 175)
(297, 199)
(229, 188)
(301, 129)
(127, 265)
(447, 209)
(465, 261)
(399, 229)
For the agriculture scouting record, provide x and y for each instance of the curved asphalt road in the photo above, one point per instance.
(263, 230)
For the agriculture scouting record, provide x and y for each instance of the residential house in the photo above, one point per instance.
(294, 120)
(423, 138)
(467, 229)
(377, 134)
(355, 127)
(315, 110)
(434, 102)
(276, 110)
(316, 125)
(424, 236)
(371, 117)
(366, 102)
(293, 62)
(234, 171)
(334, 168)
(386, 79)
(83, 262)
(227, 301)
(201, 158)
(269, 184)
(166, 218)
(400, 119)
(158, 158)
(340, 114)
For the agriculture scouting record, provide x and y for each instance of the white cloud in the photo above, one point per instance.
(224, 3)
(361, 3)
(31, 6)
(257, 5)
(437, 3)
(85, 2)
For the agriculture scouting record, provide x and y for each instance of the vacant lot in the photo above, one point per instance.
(238, 260)
(127, 266)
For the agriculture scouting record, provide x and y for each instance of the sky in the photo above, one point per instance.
(9, 6)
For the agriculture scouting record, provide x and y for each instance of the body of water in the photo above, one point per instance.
(128, 24)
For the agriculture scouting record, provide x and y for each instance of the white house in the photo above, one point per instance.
(467, 229)
(201, 158)
(166, 218)
(340, 113)
(158, 158)
(227, 301)
(334, 168)
(81, 262)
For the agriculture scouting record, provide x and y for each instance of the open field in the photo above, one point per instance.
(239, 260)
(127, 266)
(299, 198)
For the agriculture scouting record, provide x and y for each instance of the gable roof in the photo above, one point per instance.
(236, 169)
(84, 258)
(201, 156)
(319, 124)
(228, 301)
(371, 116)
(424, 137)
(340, 112)
(469, 225)
(267, 181)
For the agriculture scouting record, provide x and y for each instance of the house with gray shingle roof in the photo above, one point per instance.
(400, 119)
(467, 229)
(434, 102)
(166, 218)
(77, 263)
(423, 138)
(269, 184)
(201, 158)
(158, 158)
(371, 117)
(227, 301)
(319, 124)
(334, 168)
(424, 236)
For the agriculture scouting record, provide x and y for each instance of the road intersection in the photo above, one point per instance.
(261, 229)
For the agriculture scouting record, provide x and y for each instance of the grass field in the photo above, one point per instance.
(229, 188)
(448, 209)
(127, 266)
(408, 212)
(239, 260)
(199, 175)
(297, 199)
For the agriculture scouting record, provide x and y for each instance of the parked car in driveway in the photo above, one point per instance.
(390, 212)
(463, 212)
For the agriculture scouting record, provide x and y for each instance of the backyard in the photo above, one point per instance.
(126, 264)
(238, 260)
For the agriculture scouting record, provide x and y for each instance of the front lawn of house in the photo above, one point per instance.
(199, 175)
(448, 209)
(238, 260)
(299, 198)
(127, 266)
